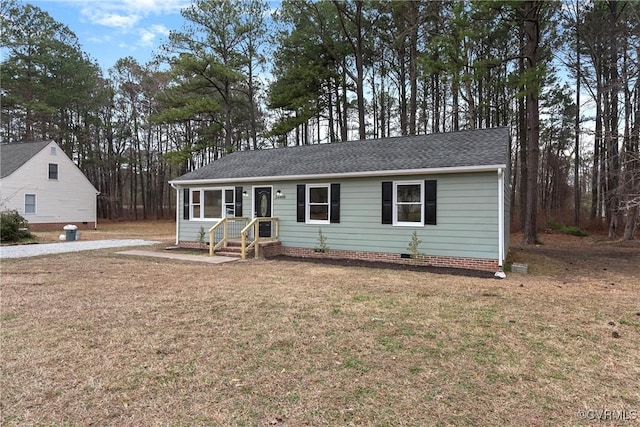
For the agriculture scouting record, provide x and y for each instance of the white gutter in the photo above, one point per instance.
(500, 272)
(177, 211)
(365, 174)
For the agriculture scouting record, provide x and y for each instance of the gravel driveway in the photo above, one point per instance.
(24, 251)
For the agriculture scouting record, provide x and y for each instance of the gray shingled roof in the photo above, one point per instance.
(14, 155)
(443, 150)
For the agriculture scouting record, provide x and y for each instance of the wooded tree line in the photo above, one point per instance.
(563, 75)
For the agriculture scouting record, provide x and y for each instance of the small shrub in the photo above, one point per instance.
(13, 227)
(414, 243)
(556, 226)
(201, 234)
(574, 231)
(321, 247)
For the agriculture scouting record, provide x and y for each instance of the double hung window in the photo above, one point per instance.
(408, 201)
(318, 204)
(29, 203)
(53, 171)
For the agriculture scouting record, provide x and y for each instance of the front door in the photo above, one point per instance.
(263, 209)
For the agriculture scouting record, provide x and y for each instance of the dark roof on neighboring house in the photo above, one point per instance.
(16, 154)
(484, 147)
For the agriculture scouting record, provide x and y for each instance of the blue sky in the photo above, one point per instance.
(112, 29)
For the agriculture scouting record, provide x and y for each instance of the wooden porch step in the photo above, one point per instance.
(234, 248)
(233, 251)
(230, 254)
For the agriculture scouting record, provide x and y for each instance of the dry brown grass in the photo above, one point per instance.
(162, 230)
(97, 338)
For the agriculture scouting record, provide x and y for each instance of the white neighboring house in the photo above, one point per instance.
(44, 185)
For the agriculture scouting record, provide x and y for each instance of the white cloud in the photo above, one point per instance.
(148, 35)
(115, 20)
(103, 38)
(157, 6)
(142, 7)
(125, 14)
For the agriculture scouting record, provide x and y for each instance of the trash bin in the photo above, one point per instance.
(70, 231)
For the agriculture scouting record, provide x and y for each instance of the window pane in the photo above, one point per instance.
(408, 193)
(228, 196)
(196, 211)
(213, 204)
(53, 171)
(410, 213)
(319, 212)
(29, 203)
(318, 195)
(195, 197)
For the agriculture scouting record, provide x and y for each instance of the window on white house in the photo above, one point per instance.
(214, 203)
(318, 203)
(53, 151)
(29, 203)
(53, 171)
(408, 203)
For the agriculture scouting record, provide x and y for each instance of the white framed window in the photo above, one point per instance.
(318, 203)
(53, 151)
(408, 203)
(30, 204)
(212, 203)
(53, 171)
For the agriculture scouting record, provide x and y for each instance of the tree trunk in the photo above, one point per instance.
(531, 29)
(576, 165)
(522, 137)
(414, 10)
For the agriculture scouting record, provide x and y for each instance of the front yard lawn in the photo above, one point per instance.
(97, 338)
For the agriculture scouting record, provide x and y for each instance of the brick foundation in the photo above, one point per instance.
(273, 249)
(270, 249)
(422, 260)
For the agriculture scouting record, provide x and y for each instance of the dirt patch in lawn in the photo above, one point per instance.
(97, 338)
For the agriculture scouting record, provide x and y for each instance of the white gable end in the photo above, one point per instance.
(61, 192)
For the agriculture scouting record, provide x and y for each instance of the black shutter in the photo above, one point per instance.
(387, 202)
(185, 203)
(301, 190)
(335, 203)
(238, 201)
(430, 190)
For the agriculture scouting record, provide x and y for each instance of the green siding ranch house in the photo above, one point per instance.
(357, 200)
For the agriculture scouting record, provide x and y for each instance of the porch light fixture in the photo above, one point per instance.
(245, 194)
(279, 195)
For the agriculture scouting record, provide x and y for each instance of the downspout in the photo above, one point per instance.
(95, 213)
(500, 273)
(177, 212)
